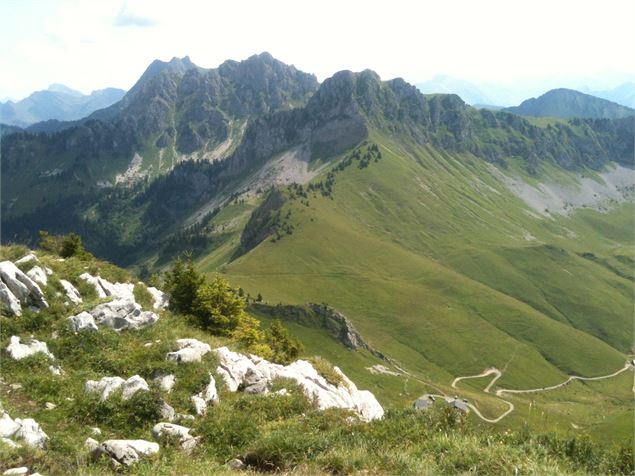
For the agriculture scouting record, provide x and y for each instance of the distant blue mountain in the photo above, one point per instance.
(58, 102)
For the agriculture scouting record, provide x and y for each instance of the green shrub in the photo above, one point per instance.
(285, 348)
(218, 306)
(182, 282)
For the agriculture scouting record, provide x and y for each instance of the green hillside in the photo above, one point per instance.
(426, 253)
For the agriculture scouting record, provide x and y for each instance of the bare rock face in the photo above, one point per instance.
(22, 430)
(18, 351)
(72, 294)
(190, 350)
(23, 288)
(127, 452)
(106, 386)
(253, 372)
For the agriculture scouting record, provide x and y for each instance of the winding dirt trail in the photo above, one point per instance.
(571, 378)
(498, 374)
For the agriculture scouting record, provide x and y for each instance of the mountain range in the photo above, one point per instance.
(59, 103)
(567, 103)
(509, 94)
(451, 237)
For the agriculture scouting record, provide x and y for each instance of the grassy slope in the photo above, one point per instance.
(425, 252)
(280, 430)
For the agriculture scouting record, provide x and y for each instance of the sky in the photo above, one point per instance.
(89, 45)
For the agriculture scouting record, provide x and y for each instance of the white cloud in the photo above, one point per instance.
(78, 42)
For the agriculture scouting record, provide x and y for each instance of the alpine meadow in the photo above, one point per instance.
(247, 269)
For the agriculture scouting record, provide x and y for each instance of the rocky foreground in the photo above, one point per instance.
(113, 308)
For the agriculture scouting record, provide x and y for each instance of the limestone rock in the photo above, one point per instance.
(123, 314)
(83, 321)
(72, 294)
(38, 275)
(190, 350)
(187, 441)
(106, 386)
(256, 374)
(161, 300)
(24, 430)
(127, 452)
(105, 288)
(9, 302)
(133, 385)
(200, 405)
(235, 464)
(167, 412)
(21, 286)
(16, 471)
(18, 351)
(8, 427)
(26, 258)
(165, 381)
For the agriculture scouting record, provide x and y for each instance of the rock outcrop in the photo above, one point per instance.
(21, 286)
(18, 351)
(119, 315)
(72, 294)
(182, 433)
(83, 321)
(126, 452)
(161, 300)
(208, 395)
(165, 381)
(38, 275)
(106, 386)
(9, 302)
(190, 350)
(105, 288)
(21, 430)
(238, 370)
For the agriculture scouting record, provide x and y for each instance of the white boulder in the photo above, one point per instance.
(200, 406)
(122, 314)
(127, 452)
(133, 385)
(21, 286)
(26, 258)
(16, 471)
(106, 386)
(160, 298)
(9, 302)
(72, 294)
(187, 441)
(22, 430)
(239, 370)
(38, 275)
(83, 321)
(190, 350)
(165, 381)
(18, 351)
(105, 288)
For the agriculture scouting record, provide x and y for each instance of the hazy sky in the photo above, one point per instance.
(94, 44)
